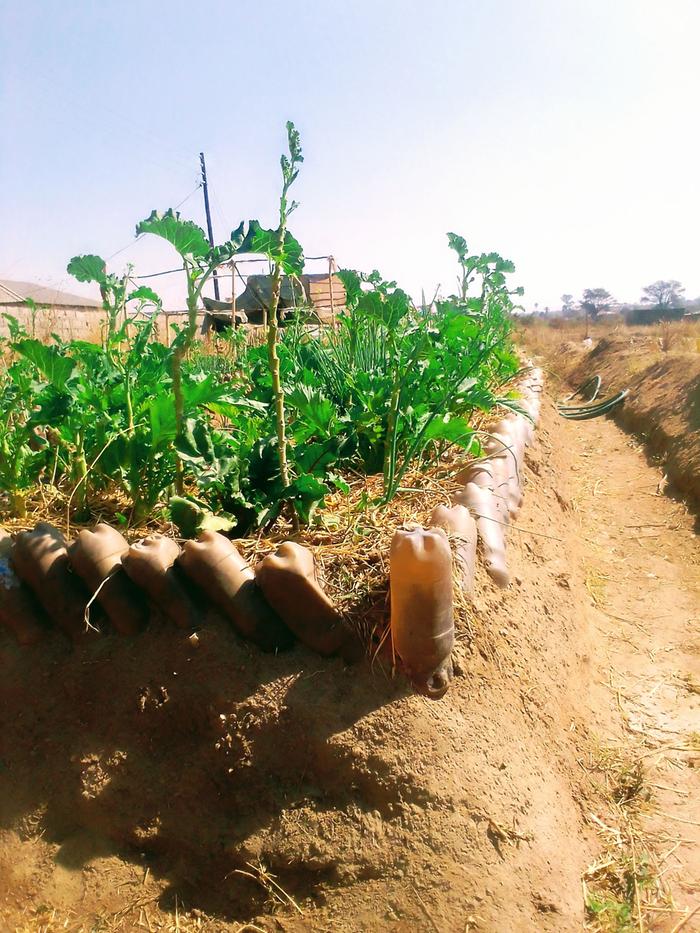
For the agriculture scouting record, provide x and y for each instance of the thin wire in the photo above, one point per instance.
(217, 206)
(221, 275)
(154, 275)
(128, 245)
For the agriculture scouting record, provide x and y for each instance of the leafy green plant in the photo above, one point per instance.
(395, 384)
(286, 257)
(199, 261)
(244, 430)
(116, 292)
(23, 453)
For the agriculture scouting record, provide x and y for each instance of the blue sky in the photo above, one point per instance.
(563, 134)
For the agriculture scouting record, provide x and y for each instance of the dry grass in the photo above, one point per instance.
(549, 338)
(624, 887)
(143, 915)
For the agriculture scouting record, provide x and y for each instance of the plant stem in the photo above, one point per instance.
(179, 353)
(81, 470)
(274, 363)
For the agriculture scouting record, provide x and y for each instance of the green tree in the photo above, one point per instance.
(664, 293)
(596, 300)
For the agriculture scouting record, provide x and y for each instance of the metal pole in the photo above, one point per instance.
(208, 213)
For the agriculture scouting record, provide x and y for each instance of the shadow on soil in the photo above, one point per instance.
(181, 756)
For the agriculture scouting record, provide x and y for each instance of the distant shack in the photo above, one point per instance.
(318, 298)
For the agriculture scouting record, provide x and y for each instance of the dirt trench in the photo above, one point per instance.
(641, 565)
(163, 782)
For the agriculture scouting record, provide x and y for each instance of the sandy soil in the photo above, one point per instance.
(155, 783)
(642, 564)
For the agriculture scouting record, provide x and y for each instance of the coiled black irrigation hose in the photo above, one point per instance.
(590, 387)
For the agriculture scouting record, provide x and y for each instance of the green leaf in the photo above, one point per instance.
(266, 242)
(340, 484)
(13, 325)
(307, 493)
(459, 245)
(192, 517)
(145, 294)
(230, 407)
(221, 521)
(294, 143)
(88, 268)
(49, 360)
(455, 430)
(317, 413)
(186, 514)
(161, 411)
(187, 237)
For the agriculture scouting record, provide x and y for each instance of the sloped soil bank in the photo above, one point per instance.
(160, 773)
(663, 406)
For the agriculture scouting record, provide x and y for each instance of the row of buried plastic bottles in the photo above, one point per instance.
(45, 580)
(421, 565)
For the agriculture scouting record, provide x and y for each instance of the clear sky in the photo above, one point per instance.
(562, 133)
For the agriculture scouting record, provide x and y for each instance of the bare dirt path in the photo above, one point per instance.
(641, 564)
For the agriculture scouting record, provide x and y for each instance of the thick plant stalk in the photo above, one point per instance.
(274, 363)
(179, 416)
(179, 354)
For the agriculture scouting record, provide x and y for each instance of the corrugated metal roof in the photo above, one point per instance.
(12, 293)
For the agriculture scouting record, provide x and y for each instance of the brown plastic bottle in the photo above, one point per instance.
(40, 559)
(150, 563)
(457, 522)
(95, 556)
(288, 580)
(422, 622)
(20, 614)
(216, 566)
(491, 514)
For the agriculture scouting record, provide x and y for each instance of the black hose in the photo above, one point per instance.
(593, 411)
(594, 382)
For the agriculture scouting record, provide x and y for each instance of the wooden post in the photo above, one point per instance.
(331, 268)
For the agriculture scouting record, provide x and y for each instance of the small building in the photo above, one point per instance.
(72, 317)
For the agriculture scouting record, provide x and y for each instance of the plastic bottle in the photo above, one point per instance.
(150, 563)
(504, 459)
(96, 556)
(40, 558)
(491, 514)
(422, 622)
(20, 614)
(457, 521)
(216, 566)
(288, 580)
